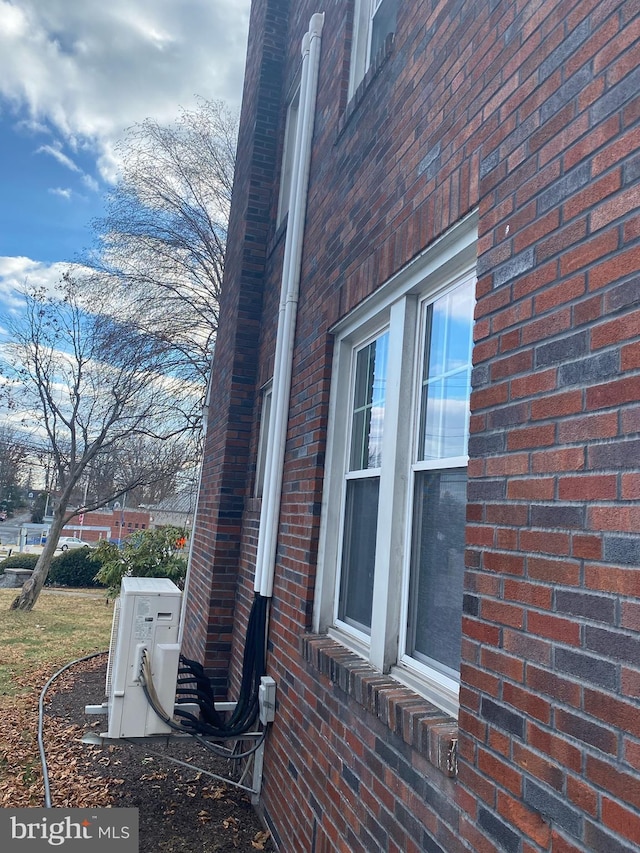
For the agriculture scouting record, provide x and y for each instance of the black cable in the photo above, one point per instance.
(227, 754)
(43, 757)
(247, 706)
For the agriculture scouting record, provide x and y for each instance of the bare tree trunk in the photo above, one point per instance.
(32, 587)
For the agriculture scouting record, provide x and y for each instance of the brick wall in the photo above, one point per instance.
(528, 111)
(209, 618)
(550, 660)
(120, 523)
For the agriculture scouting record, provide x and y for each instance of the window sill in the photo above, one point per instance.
(419, 723)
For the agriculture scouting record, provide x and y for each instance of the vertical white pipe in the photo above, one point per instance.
(266, 510)
(277, 435)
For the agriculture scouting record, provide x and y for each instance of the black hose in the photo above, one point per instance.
(43, 757)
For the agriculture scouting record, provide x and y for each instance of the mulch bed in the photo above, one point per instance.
(180, 808)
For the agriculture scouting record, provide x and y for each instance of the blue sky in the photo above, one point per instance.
(74, 74)
(45, 205)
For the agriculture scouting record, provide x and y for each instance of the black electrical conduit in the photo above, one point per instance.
(193, 684)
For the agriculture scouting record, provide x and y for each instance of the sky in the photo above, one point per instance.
(74, 74)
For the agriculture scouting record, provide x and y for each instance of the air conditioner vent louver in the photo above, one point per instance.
(112, 646)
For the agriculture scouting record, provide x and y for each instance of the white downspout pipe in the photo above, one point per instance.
(277, 435)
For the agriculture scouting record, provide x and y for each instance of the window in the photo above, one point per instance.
(439, 477)
(265, 417)
(363, 484)
(392, 540)
(373, 21)
(288, 152)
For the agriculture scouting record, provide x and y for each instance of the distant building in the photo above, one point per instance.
(112, 524)
(175, 510)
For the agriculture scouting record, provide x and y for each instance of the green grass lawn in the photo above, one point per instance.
(61, 627)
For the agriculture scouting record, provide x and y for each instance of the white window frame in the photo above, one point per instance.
(363, 17)
(265, 417)
(441, 686)
(288, 152)
(360, 637)
(396, 305)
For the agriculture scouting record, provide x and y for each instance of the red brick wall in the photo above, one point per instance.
(120, 524)
(551, 658)
(208, 635)
(528, 111)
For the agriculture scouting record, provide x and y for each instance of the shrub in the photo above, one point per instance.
(144, 554)
(76, 567)
(19, 561)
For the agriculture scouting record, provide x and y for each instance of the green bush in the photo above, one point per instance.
(76, 567)
(145, 554)
(19, 561)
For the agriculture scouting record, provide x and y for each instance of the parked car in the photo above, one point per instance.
(66, 542)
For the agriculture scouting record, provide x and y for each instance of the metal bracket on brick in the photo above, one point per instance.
(452, 758)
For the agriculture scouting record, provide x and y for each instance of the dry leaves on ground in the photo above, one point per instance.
(180, 809)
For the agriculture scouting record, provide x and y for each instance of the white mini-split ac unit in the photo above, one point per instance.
(143, 698)
(145, 625)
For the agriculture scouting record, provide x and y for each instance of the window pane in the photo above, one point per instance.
(444, 409)
(262, 441)
(288, 155)
(368, 405)
(384, 22)
(460, 306)
(446, 406)
(437, 568)
(359, 552)
(455, 415)
(432, 406)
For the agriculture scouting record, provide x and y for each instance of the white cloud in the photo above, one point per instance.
(58, 154)
(55, 151)
(16, 272)
(91, 183)
(12, 20)
(63, 193)
(91, 69)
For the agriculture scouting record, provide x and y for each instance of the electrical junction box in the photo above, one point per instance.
(267, 699)
(147, 617)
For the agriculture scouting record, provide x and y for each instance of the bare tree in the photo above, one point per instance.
(93, 386)
(118, 466)
(13, 463)
(163, 238)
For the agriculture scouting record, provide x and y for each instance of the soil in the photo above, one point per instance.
(180, 808)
